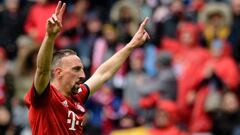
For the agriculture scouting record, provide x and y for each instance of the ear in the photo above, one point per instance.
(57, 73)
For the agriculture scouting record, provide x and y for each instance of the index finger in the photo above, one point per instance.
(62, 10)
(58, 7)
(143, 24)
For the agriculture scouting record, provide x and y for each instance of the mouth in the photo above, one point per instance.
(76, 86)
(79, 82)
(75, 89)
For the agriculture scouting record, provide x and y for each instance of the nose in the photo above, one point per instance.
(82, 75)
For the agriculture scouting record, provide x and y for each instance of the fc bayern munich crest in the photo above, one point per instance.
(79, 107)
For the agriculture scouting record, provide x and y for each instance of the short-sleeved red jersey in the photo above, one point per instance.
(53, 114)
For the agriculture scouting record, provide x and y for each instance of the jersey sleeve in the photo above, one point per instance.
(83, 92)
(32, 98)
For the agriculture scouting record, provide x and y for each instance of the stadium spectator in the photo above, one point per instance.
(35, 22)
(234, 37)
(188, 58)
(216, 78)
(227, 119)
(11, 21)
(6, 92)
(23, 75)
(215, 19)
(165, 119)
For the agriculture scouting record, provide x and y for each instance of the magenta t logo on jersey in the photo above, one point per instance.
(73, 119)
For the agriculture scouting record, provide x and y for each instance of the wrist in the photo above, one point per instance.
(131, 45)
(51, 36)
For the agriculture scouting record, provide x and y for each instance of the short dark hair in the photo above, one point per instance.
(59, 54)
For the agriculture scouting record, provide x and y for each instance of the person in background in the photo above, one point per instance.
(234, 37)
(6, 92)
(23, 75)
(165, 119)
(11, 21)
(165, 83)
(226, 121)
(215, 20)
(35, 23)
(134, 79)
(215, 79)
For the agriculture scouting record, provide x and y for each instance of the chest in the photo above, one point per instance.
(68, 112)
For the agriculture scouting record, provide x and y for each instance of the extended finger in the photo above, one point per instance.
(62, 11)
(57, 10)
(143, 24)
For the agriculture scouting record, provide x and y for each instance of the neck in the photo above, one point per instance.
(60, 88)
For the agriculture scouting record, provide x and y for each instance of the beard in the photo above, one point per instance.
(75, 88)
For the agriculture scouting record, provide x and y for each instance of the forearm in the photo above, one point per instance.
(112, 65)
(109, 68)
(45, 54)
(44, 60)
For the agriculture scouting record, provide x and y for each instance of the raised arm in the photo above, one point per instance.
(44, 57)
(111, 66)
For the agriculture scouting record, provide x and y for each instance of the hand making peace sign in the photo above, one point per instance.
(54, 23)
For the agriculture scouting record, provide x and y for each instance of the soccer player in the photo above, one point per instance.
(57, 96)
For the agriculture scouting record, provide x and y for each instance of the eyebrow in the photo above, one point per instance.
(77, 67)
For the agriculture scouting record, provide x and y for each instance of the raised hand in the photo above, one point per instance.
(54, 23)
(141, 35)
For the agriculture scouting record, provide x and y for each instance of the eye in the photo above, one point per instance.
(77, 69)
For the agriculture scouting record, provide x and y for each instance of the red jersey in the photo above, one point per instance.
(53, 114)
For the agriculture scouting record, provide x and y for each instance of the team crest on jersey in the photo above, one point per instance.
(79, 107)
(65, 103)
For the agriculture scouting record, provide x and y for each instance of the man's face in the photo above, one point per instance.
(236, 7)
(187, 38)
(161, 119)
(230, 103)
(71, 73)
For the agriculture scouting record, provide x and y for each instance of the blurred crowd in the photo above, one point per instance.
(183, 81)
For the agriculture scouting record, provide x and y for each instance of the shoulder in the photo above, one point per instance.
(83, 92)
(32, 98)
